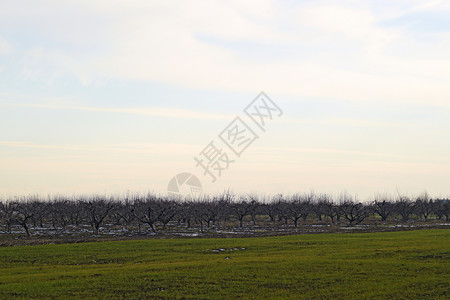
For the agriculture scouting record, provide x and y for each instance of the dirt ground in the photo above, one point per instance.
(81, 234)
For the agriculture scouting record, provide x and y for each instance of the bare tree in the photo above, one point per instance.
(442, 208)
(294, 209)
(404, 207)
(328, 208)
(225, 203)
(383, 206)
(77, 212)
(167, 211)
(254, 207)
(185, 214)
(241, 209)
(423, 206)
(151, 210)
(298, 207)
(123, 212)
(61, 213)
(97, 209)
(198, 212)
(354, 212)
(24, 216)
(40, 210)
(283, 211)
(219, 210)
(211, 211)
(271, 209)
(8, 214)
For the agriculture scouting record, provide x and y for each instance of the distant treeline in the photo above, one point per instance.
(156, 213)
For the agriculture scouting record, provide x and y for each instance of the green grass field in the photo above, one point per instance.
(400, 265)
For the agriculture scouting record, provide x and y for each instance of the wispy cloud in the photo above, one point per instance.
(20, 144)
(198, 115)
(354, 122)
(344, 52)
(155, 111)
(147, 148)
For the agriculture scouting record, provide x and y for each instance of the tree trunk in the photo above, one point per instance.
(25, 226)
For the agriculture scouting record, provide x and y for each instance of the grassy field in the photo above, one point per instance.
(400, 265)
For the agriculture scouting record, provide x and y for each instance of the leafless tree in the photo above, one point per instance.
(354, 212)
(145, 211)
(241, 209)
(24, 216)
(225, 203)
(220, 210)
(40, 211)
(328, 207)
(167, 210)
(254, 208)
(442, 208)
(198, 212)
(61, 213)
(271, 209)
(123, 212)
(404, 207)
(97, 209)
(185, 213)
(211, 211)
(283, 211)
(423, 206)
(151, 210)
(8, 214)
(383, 206)
(298, 207)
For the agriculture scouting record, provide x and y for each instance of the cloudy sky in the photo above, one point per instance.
(109, 96)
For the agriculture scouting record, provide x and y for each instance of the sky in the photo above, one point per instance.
(109, 97)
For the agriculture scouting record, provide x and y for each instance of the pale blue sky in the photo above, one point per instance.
(110, 96)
